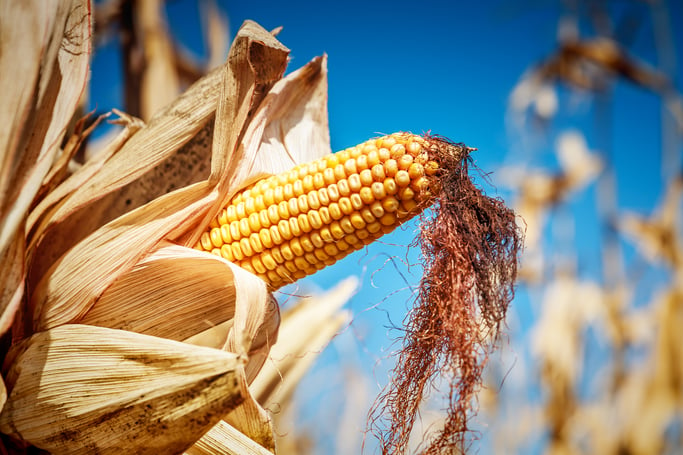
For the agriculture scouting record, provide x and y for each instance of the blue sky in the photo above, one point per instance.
(448, 67)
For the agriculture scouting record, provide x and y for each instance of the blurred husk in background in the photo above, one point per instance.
(603, 360)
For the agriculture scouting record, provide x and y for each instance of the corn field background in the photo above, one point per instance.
(576, 110)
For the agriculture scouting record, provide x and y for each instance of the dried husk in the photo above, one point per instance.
(52, 209)
(223, 439)
(71, 285)
(190, 292)
(52, 62)
(37, 106)
(85, 389)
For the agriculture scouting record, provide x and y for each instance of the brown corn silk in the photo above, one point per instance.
(470, 245)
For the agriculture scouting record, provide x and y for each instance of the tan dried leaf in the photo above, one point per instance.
(34, 114)
(223, 439)
(69, 288)
(37, 106)
(657, 237)
(73, 389)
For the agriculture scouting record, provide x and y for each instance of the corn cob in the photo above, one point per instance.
(288, 226)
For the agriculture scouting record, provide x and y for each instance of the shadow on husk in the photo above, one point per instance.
(470, 245)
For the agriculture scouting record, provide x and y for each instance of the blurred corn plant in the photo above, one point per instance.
(118, 336)
(605, 341)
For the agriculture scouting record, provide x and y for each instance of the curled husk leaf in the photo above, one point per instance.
(71, 385)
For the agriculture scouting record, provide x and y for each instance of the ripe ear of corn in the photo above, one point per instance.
(288, 226)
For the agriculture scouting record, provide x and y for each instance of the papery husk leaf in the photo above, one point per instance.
(48, 211)
(129, 179)
(266, 333)
(63, 164)
(223, 439)
(3, 394)
(20, 53)
(294, 120)
(253, 421)
(68, 290)
(305, 330)
(82, 389)
(177, 293)
(75, 282)
(268, 57)
(38, 105)
(12, 273)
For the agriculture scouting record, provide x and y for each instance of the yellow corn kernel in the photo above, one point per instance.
(226, 252)
(306, 243)
(378, 173)
(255, 242)
(378, 190)
(303, 222)
(254, 223)
(397, 151)
(235, 230)
(296, 247)
(308, 184)
(362, 163)
(316, 239)
(241, 211)
(225, 234)
(258, 265)
(313, 201)
(266, 240)
(222, 218)
(215, 236)
(245, 230)
(390, 204)
(339, 172)
(318, 181)
(350, 167)
(328, 176)
(323, 196)
(402, 178)
(302, 204)
(331, 249)
(367, 215)
(405, 161)
(335, 211)
(345, 206)
(357, 220)
(325, 215)
(246, 265)
(366, 177)
(333, 192)
(236, 251)
(356, 201)
(268, 261)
